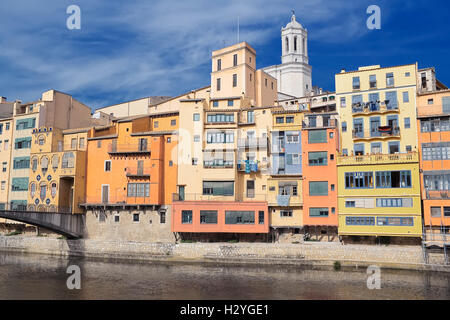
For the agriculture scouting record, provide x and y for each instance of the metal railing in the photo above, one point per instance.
(14, 207)
(368, 134)
(235, 198)
(437, 194)
(409, 157)
(331, 123)
(370, 107)
(252, 143)
(138, 172)
(128, 148)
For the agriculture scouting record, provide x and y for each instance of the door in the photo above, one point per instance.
(374, 125)
(142, 144)
(181, 193)
(140, 167)
(105, 194)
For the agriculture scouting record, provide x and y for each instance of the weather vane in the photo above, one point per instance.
(293, 12)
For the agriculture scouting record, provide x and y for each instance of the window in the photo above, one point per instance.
(408, 148)
(7, 126)
(162, 217)
(292, 137)
(435, 212)
(208, 216)
(186, 217)
(373, 81)
(53, 192)
(107, 165)
(318, 212)
(138, 190)
(218, 84)
(394, 202)
(317, 158)
(21, 163)
(135, 217)
(73, 143)
(350, 204)
(344, 126)
(218, 188)
(194, 161)
(19, 184)
(289, 119)
(82, 143)
(393, 179)
(343, 102)
(6, 144)
(331, 135)
(332, 187)
(117, 218)
(317, 136)
(99, 144)
(395, 221)
(173, 122)
(235, 60)
(407, 123)
(219, 137)
(293, 158)
(356, 84)
(318, 188)
(360, 221)
(407, 74)
(68, 160)
(285, 213)
(22, 143)
(344, 152)
(196, 116)
(197, 138)
(279, 120)
(219, 64)
(169, 140)
(230, 103)
(215, 103)
(4, 165)
(437, 180)
(234, 80)
(446, 211)
(358, 180)
(430, 101)
(261, 217)
(405, 96)
(265, 82)
(26, 124)
(156, 124)
(239, 217)
(390, 79)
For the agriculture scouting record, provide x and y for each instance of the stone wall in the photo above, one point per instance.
(403, 257)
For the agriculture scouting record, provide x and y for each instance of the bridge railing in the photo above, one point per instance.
(11, 206)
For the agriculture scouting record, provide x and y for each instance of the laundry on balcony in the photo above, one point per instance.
(385, 129)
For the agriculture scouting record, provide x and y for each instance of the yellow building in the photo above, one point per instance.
(378, 169)
(58, 169)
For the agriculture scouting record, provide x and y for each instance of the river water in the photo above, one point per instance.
(25, 276)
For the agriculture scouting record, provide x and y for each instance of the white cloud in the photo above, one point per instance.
(135, 48)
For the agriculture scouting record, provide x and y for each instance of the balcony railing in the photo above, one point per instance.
(381, 132)
(138, 172)
(374, 107)
(331, 123)
(119, 200)
(437, 195)
(252, 143)
(214, 164)
(236, 197)
(410, 157)
(248, 166)
(127, 148)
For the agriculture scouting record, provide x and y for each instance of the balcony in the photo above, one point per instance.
(137, 173)
(251, 196)
(252, 143)
(218, 164)
(411, 157)
(330, 123)
(438, 195)
(248, 166)
(124, 149)
(371, 108)
(279, 147)
(383, 132)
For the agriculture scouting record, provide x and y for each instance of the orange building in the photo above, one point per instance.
(131, 176)
(320, 145)
(433, 114)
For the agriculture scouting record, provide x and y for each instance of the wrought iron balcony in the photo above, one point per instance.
(410, 157)
(381, 132)
(128, 149)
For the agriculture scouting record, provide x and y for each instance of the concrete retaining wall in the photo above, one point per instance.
(315, 253)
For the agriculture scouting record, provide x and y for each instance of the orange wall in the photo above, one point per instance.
(320, 173)
(221, 207)
(163, 174)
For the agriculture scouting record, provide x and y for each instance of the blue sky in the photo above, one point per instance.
(131, 49)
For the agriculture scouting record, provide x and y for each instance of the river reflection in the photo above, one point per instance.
(24, 276)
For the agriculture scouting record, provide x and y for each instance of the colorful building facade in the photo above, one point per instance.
(320, 140)
(378, 170)
(433, 113)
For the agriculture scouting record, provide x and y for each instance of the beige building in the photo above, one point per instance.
(6, 130)
(132, 108)
(54, 110)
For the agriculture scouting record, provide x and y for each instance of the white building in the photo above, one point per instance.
(294, 72)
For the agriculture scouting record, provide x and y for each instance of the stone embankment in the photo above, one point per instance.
(314, 254)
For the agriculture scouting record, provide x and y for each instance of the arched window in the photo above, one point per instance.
(287, 44)
(295, 43)
(43, 191)
(44, 163)
(32, 189)
(303, 46)
(34, 164)
(55, 161)
(54, 188)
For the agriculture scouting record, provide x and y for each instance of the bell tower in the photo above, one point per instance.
(294, 40)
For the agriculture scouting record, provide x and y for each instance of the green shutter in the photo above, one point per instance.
(446, 104)
(318, 188)
(317, 136)
(19, 184)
